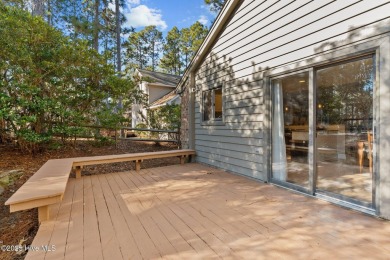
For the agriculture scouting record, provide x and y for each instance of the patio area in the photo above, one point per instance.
(195, 211)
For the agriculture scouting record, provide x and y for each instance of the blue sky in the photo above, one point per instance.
(166, 14)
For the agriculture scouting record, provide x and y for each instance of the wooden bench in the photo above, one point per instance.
(78, 163)
(47, 186)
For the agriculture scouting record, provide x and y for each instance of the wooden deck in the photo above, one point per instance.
(194, 211)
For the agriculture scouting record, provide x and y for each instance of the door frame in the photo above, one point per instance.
(323, 193)
(379, 47)
(290, 185)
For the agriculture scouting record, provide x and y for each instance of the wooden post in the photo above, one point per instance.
(116, 137)
(360, 151)
(138, 165)
(78, 172)
(43, 213)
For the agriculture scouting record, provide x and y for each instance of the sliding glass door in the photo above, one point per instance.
(290, 130)
(345, 138)
(322, 130)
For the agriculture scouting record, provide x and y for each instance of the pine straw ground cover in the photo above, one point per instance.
(20, 227)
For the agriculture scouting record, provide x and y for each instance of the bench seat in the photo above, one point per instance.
(137, 157)
(47, 186)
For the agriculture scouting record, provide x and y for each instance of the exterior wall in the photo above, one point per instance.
(175, 101)
(136, 118)
(156, 92)
(184, 128)
(137, 110)
(265, 38)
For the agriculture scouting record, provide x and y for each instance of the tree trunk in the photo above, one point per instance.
(49, 13)
(153, 57)
(96, 26)
(118, 37)
(38, 8)
(118, 57)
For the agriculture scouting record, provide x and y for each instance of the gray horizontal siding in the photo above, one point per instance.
(296, 26)
(232, 126)
(240, 13)
(261, 12)
(245, 118)
(255, 166)
(252, 133)
(230, 139)
(240, 156)
(256, 101)
(300, 43)
(263, 36)
(299, 13)
(248, 110)
(235, 111)
(258, 174)
(237, 118)
(252, 149)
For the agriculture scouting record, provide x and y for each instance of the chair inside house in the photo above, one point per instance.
(361, 149)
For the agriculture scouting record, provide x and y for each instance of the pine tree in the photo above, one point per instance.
(215, 5)
(143, 48)
(190, 41)
(154, 39)
(171, 60)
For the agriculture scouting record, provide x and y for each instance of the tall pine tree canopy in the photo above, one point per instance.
(180, 47)
(50, 84)
(171, 61)
(143, 48)
(61, 65)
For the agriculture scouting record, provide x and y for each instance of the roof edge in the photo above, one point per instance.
(160, 84)
(218, 25)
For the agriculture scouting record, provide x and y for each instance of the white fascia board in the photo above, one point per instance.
(160, 85)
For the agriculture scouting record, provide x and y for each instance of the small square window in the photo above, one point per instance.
(212, 104)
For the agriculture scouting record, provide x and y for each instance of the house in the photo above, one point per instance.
(159, 88)
(296, 93)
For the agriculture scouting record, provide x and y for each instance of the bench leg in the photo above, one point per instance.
(137, 165)
(43, 213)
(182, 159)
(78, 172)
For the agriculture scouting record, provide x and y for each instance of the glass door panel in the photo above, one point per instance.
(290, 131)
(344, 124)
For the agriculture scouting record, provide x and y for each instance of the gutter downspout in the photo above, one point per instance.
(191, 116)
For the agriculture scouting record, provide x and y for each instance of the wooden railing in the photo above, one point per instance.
(156, 135)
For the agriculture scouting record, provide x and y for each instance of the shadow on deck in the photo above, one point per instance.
(194, 211)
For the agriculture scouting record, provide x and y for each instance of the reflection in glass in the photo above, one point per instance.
(344, 129)
(290, 131)
(207, 107)
(218, 103)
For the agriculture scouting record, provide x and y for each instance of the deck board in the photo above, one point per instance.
(43, 235)
(125, 239)
(61, 227)
(92, 247)
(194, 211)
(75, 239)
(108, 236)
